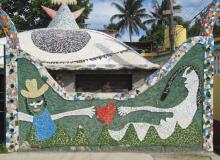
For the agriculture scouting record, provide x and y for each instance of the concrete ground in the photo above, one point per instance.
(107, 156)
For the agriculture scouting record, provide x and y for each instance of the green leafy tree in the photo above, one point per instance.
(155, 35)
(113, 27)
(157, 22)
(130, 17)
(195, 29)
(28, 14)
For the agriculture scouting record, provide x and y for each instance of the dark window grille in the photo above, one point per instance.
(105, 83)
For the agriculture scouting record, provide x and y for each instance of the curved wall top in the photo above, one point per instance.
(9, 29)
(210, 17)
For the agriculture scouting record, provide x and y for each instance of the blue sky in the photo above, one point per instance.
(102, 12)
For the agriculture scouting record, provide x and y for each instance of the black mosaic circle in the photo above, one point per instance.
(60, 41)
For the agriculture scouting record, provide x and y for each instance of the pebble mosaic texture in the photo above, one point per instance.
(209, 19)
(64, 19)
(60, 41)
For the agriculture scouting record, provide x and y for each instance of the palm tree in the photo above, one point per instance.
(157, 18)
(130, 16)
(158, 21)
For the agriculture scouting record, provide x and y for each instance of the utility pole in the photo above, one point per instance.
(170, 13)
(171, 27)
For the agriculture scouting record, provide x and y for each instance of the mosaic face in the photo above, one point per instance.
(36, 105)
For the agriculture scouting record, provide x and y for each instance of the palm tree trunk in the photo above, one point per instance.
(130, 36)
(130, 31)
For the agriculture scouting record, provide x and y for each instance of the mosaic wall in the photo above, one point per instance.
(155, 118)
(173, 109)
(11, 85)
(209, 19)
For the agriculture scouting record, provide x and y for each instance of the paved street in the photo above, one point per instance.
(107, 156)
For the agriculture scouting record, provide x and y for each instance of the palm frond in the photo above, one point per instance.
(141, 11)
(155, 4)
(150, 21)
(116, 16)
(156, 15)
(119, 7)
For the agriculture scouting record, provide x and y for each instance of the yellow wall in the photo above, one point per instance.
(180, 36)
(217, 98)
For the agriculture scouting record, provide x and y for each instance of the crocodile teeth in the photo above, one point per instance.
(166, 128)
(141, 130)
(118, 135)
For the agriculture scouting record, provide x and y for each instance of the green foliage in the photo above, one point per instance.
(152, 139)
(130, 138)
(195, 29)
(155, 34)
(61, 138)
(190, 137)
(3, 149)
(81, 138)
(29, 15)
(105, 139)
(158, 22)
(156, 17)
(88, 8)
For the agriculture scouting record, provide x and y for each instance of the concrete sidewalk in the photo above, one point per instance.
(107, 156)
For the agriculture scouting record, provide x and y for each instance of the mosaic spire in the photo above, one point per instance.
(52, 13)
(64, 19)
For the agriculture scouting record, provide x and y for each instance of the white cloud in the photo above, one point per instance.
(101, 14)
